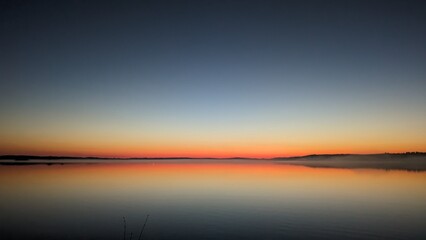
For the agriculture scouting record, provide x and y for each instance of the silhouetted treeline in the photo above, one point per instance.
(312, 156)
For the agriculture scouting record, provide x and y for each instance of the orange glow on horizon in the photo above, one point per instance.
(195, 149)
(194, 154)
(120, 140)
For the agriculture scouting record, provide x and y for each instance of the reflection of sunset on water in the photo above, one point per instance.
(212, 196)
(257, 179)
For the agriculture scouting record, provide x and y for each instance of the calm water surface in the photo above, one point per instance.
(210, 200)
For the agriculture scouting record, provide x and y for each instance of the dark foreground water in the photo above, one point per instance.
(210, 200)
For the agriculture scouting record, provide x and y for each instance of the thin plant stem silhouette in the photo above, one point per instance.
(124, 221)
(143, 227)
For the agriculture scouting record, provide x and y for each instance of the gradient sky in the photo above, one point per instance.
(212, 78)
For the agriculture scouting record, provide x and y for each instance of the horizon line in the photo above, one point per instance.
(27, 157)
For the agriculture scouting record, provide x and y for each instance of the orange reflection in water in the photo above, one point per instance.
(209, 197)
(218, 179)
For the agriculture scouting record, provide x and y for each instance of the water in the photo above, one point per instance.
(210, 200)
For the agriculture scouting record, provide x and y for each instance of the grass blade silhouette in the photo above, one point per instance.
(143, 227)
(124, 221)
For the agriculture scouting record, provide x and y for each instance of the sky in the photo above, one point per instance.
(212, 78)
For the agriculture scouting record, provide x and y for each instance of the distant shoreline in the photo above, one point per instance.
(410, 161)
(311, 156)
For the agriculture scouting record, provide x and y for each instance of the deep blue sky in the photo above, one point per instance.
(174, 77)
